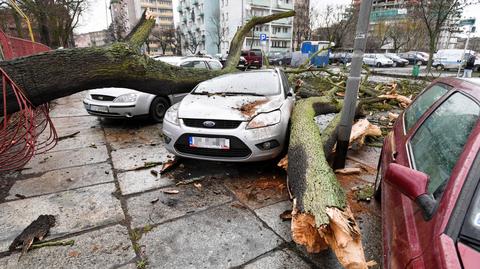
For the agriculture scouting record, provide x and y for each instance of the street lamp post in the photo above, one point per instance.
(353, 83)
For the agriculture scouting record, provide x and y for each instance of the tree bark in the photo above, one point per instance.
(321, 217)
(62, 72)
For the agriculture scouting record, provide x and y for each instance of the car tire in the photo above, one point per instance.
(420, 62)
(440, 67)
(394, 64)
(379, 64)
(158, 108)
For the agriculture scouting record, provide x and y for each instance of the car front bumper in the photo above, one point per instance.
(109, 109)
(250, 138)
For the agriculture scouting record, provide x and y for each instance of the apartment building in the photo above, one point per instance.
(235, 13)
(200, 26)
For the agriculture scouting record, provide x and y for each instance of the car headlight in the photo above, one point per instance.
(172, 114)
(126, 98)
(264, 120)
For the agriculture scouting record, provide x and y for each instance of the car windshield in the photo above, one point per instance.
(247, 83)
(470, 232)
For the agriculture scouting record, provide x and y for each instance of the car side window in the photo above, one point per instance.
(439, 141)
(286, 87)
(422, 103)
(194, 64)
(215, 65)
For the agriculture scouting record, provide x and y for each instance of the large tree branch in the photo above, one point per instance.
(238, 39)
(58, 73)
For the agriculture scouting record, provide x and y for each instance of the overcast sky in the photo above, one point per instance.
(95, 19)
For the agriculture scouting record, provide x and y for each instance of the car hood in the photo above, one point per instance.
(115, 92)
(217, 107)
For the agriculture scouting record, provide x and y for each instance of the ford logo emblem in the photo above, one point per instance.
(209, 123)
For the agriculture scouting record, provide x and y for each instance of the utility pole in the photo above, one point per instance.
(464, 51)
(353, 83)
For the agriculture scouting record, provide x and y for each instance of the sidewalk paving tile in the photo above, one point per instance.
(158, 206)
(271, 216)
(75, 210)
(62, 159)
(280, 259)
(104, 248)
(62, 180)
(218, 238)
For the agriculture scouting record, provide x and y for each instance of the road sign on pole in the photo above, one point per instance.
(467, 22)
(263, 37)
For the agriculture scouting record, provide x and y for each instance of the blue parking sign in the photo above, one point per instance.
(263, 37)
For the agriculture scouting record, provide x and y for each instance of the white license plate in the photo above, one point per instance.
(99, 108)
(209, 142)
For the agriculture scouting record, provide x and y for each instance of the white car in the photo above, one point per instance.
(450, 58)
(378, 60)
(127, 103)
(234, 117)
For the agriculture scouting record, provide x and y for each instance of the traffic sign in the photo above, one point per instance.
(467, 22)
(263, 37)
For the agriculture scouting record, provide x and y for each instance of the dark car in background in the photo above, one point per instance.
(253, 58)
(279, 58)
(340, 57)
(414, 57)
(223, 60)
(430, 180)
(397, 60)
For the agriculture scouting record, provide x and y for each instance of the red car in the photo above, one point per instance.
(253, 58)
(430, 171)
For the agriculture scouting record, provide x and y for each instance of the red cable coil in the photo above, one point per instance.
(21, 132)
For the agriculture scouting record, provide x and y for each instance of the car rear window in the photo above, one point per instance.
(255, 83)
(422, 103)
(439, 141)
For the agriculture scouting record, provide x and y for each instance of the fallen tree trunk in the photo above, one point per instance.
(54, 74)
(321, 217)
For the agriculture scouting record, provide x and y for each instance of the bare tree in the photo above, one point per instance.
(437, 16)
(54, 19)
(167, 39)
(219, 33)
(336, 23)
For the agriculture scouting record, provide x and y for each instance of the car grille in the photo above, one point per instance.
(101, 97)
(237, 148)
(219, 124)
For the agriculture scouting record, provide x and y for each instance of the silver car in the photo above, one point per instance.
(234, 117)
(127, 103)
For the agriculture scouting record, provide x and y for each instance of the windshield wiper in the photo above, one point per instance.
(201, 93)
(243, 93)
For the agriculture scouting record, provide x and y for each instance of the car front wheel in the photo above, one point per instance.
(379, 65)
(158, 108)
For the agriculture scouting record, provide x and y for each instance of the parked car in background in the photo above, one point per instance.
(397, 60)
(223, 60)
(378, 60)
(279, 58)
(430, 180)
(340, 57)
(415, 57)
(128, 103)
(231, 118)
(253, 58)
(451, 58)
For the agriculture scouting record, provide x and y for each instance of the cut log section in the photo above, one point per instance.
(363, 128)
(321, 217)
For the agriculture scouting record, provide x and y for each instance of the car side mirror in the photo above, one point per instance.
(413, 184)
(290, 92)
